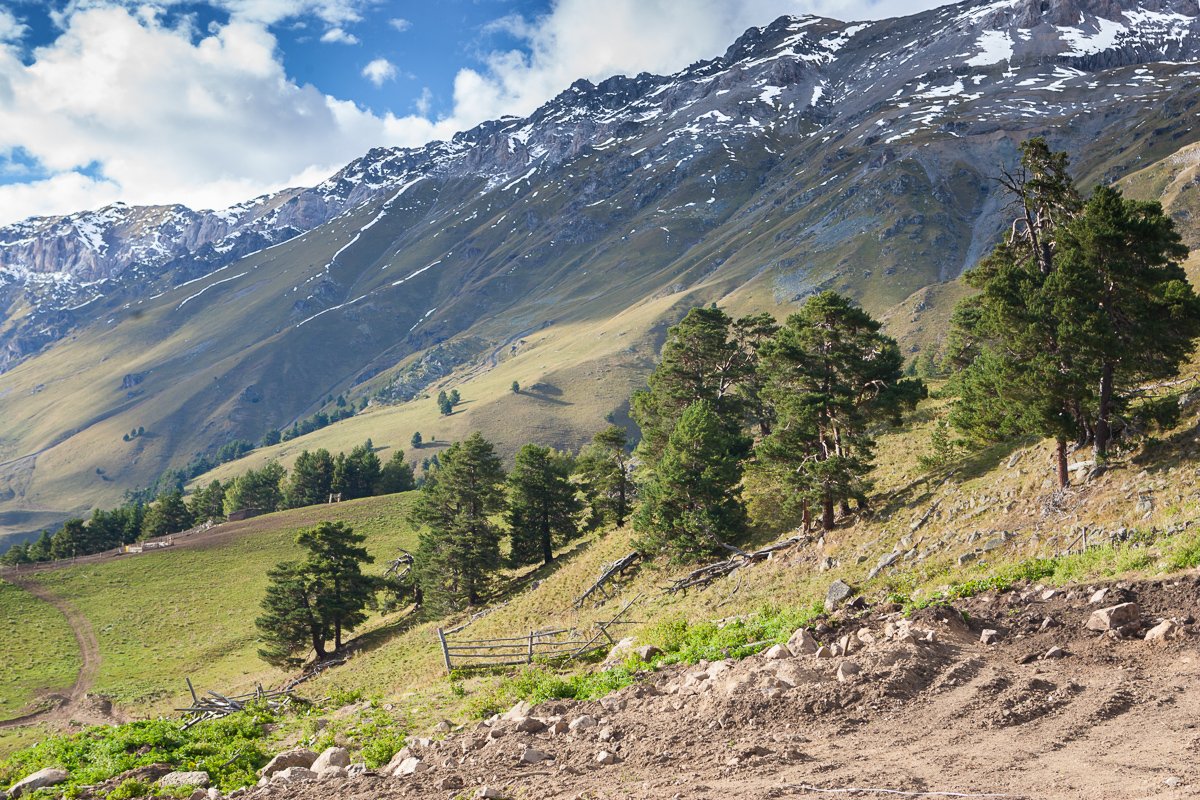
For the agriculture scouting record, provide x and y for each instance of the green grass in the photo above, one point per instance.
(163, 616)
(37, 650)
(230, 750)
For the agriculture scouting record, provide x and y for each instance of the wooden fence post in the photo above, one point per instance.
(445, 651)
(529, 658)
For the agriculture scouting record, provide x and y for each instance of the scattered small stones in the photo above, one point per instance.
(410, 766)
(489, 793)
(451, 782)
(532, 755)
(605, 757)
(989, 636)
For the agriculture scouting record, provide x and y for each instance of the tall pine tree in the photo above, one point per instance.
(604, 471)
(460, 546)
(542, 504)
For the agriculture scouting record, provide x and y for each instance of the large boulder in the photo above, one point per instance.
(38, 780)
(197, 778)
(620, 651)
(1114, 617)
(332, 757)
(299, 757)
(802, 643)
(839, 592)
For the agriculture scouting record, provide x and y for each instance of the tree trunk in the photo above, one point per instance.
(845, 507)
(827, 512)
(1103, 416)
(547, 545)
(337, 637)
(806, 516)
(318, 644)
(1060, 457)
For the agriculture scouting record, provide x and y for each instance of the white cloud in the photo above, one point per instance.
(169, 118)
(400, 24)
(11, 28)
(338, 36)
(268, 12)
(379, 70)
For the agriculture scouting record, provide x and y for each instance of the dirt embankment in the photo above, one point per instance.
(918, 708)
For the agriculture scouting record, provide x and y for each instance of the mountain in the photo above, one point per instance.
(555, 249)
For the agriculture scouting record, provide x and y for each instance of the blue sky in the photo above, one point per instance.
(215, 101)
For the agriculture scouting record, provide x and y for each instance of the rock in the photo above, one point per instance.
(332, 774)
(966, 558)
(445, 726)
(199, 794)
(518, 712)
(989, 636)
(1049, 594)
(401, 755)
(839, 592)
(1118, 616)
(1098, 596)
(332, 757)
(846, 670)
(497, 731)
(38, 780)
(1162, 631)
(213, 793)
(530, 725)
(560, 727)
(293, 775)
(534, 756)
(1055, 652)
(865, 636)
(355, 770)
(607, 734)
(604, 757)
(410, 766)
(489, 793)
(582, 723)
(883, 564)
(300, 757)
(802, 643)
(844, 645)
(1047, 624)
(647, 652)
(197, 778)
(823, 652)
(778, 651)
(451, 782)
(620, 651)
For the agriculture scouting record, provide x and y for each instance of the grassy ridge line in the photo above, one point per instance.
(38, 652)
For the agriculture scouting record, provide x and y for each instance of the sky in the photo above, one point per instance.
(211, 103)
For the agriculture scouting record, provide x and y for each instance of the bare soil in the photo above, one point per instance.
(1114, 717)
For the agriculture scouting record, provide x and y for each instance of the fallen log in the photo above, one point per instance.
(710, 572)
(612, 570)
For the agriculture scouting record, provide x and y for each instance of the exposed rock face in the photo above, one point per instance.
(38, 780)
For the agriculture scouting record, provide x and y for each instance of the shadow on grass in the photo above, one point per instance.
(374, 639)
(523, 581)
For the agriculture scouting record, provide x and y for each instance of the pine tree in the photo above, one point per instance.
(603, 469)
(396, 475)
(256, 489)
(691, 503)
(311, 479)
(416, 441)
(357, 474)
(454, 397)
(516, 387)
(702, 359)
(291, 621)
(828, 375)
(542, 506)
(169, 514)
(1122, 301)
(1014, 372)
(460, 546)
(334, 563)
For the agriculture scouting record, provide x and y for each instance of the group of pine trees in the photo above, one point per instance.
(314, 478)
(794, 404)
(1082, 304)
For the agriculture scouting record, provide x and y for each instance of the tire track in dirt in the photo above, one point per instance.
(89, 651)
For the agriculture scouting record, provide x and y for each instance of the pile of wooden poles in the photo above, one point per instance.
(215, 706)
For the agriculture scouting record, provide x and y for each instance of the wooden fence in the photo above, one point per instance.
(548, 645)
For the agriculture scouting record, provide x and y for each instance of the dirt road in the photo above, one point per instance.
(89, 651)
